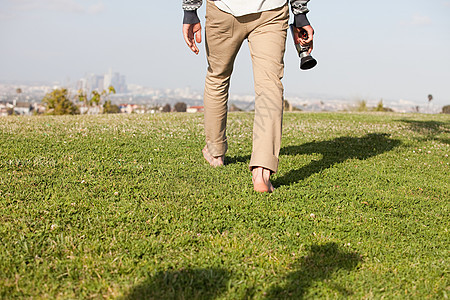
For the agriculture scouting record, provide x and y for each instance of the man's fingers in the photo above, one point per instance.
(297, 37)
(188, 34)
(188, 42)
(310, 32)
(192, 45)
(194, 48)
(311, 46)
(309, 40)
(198, 36)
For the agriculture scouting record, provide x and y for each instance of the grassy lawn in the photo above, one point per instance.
(124, 206)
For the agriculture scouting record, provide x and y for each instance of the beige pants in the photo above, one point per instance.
(266, 34)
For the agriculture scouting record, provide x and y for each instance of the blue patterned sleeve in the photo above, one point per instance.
(300, 9)
(190, 11)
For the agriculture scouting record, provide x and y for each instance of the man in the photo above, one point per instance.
(264, 24)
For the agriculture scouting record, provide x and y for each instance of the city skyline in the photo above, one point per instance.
(91, 82)
(33, 92)
(390, 51)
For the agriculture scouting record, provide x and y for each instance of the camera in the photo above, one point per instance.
(306, 60)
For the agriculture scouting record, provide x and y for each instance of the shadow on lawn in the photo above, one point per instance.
(334, 152)
(319, 264)
(430, 129)
(182, 284)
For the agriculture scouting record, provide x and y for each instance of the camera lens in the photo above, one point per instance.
(307, 62)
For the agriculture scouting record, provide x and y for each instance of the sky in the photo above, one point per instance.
(397, 50)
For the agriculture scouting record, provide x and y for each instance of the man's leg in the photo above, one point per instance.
(267, 44)
(223, 40)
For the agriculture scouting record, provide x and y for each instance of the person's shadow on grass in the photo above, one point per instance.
(205, 284)
(319, 264)
(333, 152)
(430, 130)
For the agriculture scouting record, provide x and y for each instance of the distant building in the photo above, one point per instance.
(90, 110)
(3, 109)
(116, 80)
(128, 108)
(194, 109)
(17, 108)
(23, 108)
(93, 82)
(39, 108)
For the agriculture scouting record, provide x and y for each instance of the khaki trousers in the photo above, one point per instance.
(266, 35)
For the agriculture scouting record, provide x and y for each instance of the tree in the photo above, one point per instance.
(19, 92)
(96, 97)
(166, 108)
(109, 108)
(286, 105)
(180, 107)
(380, 106)
(446, 109)
(361, 105)
(10, 111)
(430, 98)
(233, 108)
(58, 103)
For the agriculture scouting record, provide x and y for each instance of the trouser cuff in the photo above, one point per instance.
(266, 161)
(217, 149)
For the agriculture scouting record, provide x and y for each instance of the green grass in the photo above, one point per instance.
(124, 206)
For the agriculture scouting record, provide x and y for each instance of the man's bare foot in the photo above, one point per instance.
(261, 180)
(213, 161)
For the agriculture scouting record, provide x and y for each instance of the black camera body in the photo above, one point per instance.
(306, 60)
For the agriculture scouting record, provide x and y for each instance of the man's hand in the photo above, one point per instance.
(189, 30)
(298, 39)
